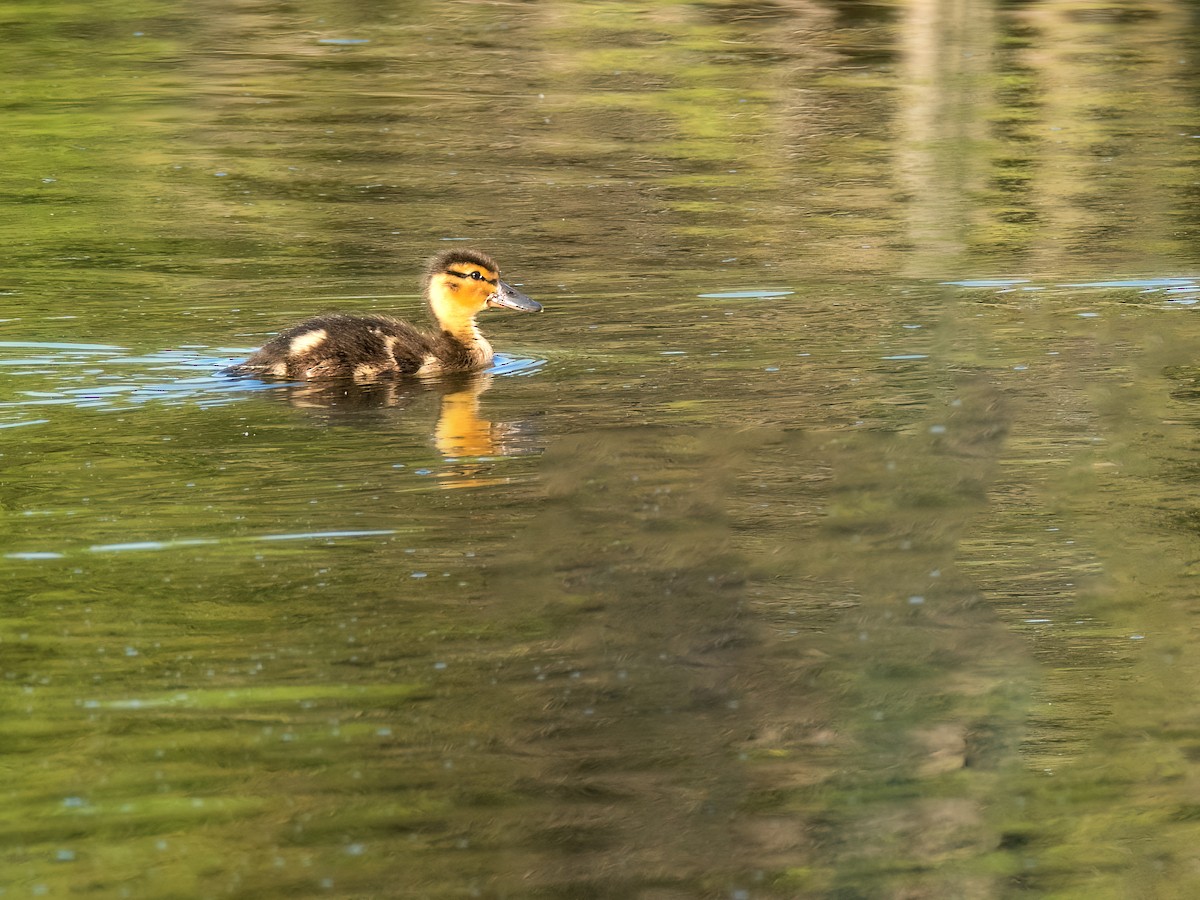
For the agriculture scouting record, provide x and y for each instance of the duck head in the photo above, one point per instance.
(463, 283)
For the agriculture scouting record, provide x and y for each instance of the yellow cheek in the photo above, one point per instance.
(470, 298)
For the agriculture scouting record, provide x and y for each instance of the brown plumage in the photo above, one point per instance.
(459, 284)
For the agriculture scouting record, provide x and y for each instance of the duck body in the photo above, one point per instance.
(459, 284)
(336, 345)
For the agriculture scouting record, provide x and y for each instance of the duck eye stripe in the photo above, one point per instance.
(470, 274)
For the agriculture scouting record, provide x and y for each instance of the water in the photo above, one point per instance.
(831, 534)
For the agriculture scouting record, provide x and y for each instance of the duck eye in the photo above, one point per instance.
(476, 276)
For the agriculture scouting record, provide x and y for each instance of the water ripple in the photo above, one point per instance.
(1178, 291)
(103, 377)
(141, 546)
(1147, 285)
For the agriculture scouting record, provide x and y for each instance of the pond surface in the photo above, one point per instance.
(832, 534)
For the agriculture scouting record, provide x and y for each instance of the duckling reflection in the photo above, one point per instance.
(467, 441)
(346, 398)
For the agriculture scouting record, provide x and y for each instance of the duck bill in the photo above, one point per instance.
(508, 297)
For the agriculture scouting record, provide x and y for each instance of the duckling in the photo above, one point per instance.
(459, 284)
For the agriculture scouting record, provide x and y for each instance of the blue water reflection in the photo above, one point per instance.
(113, 380)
